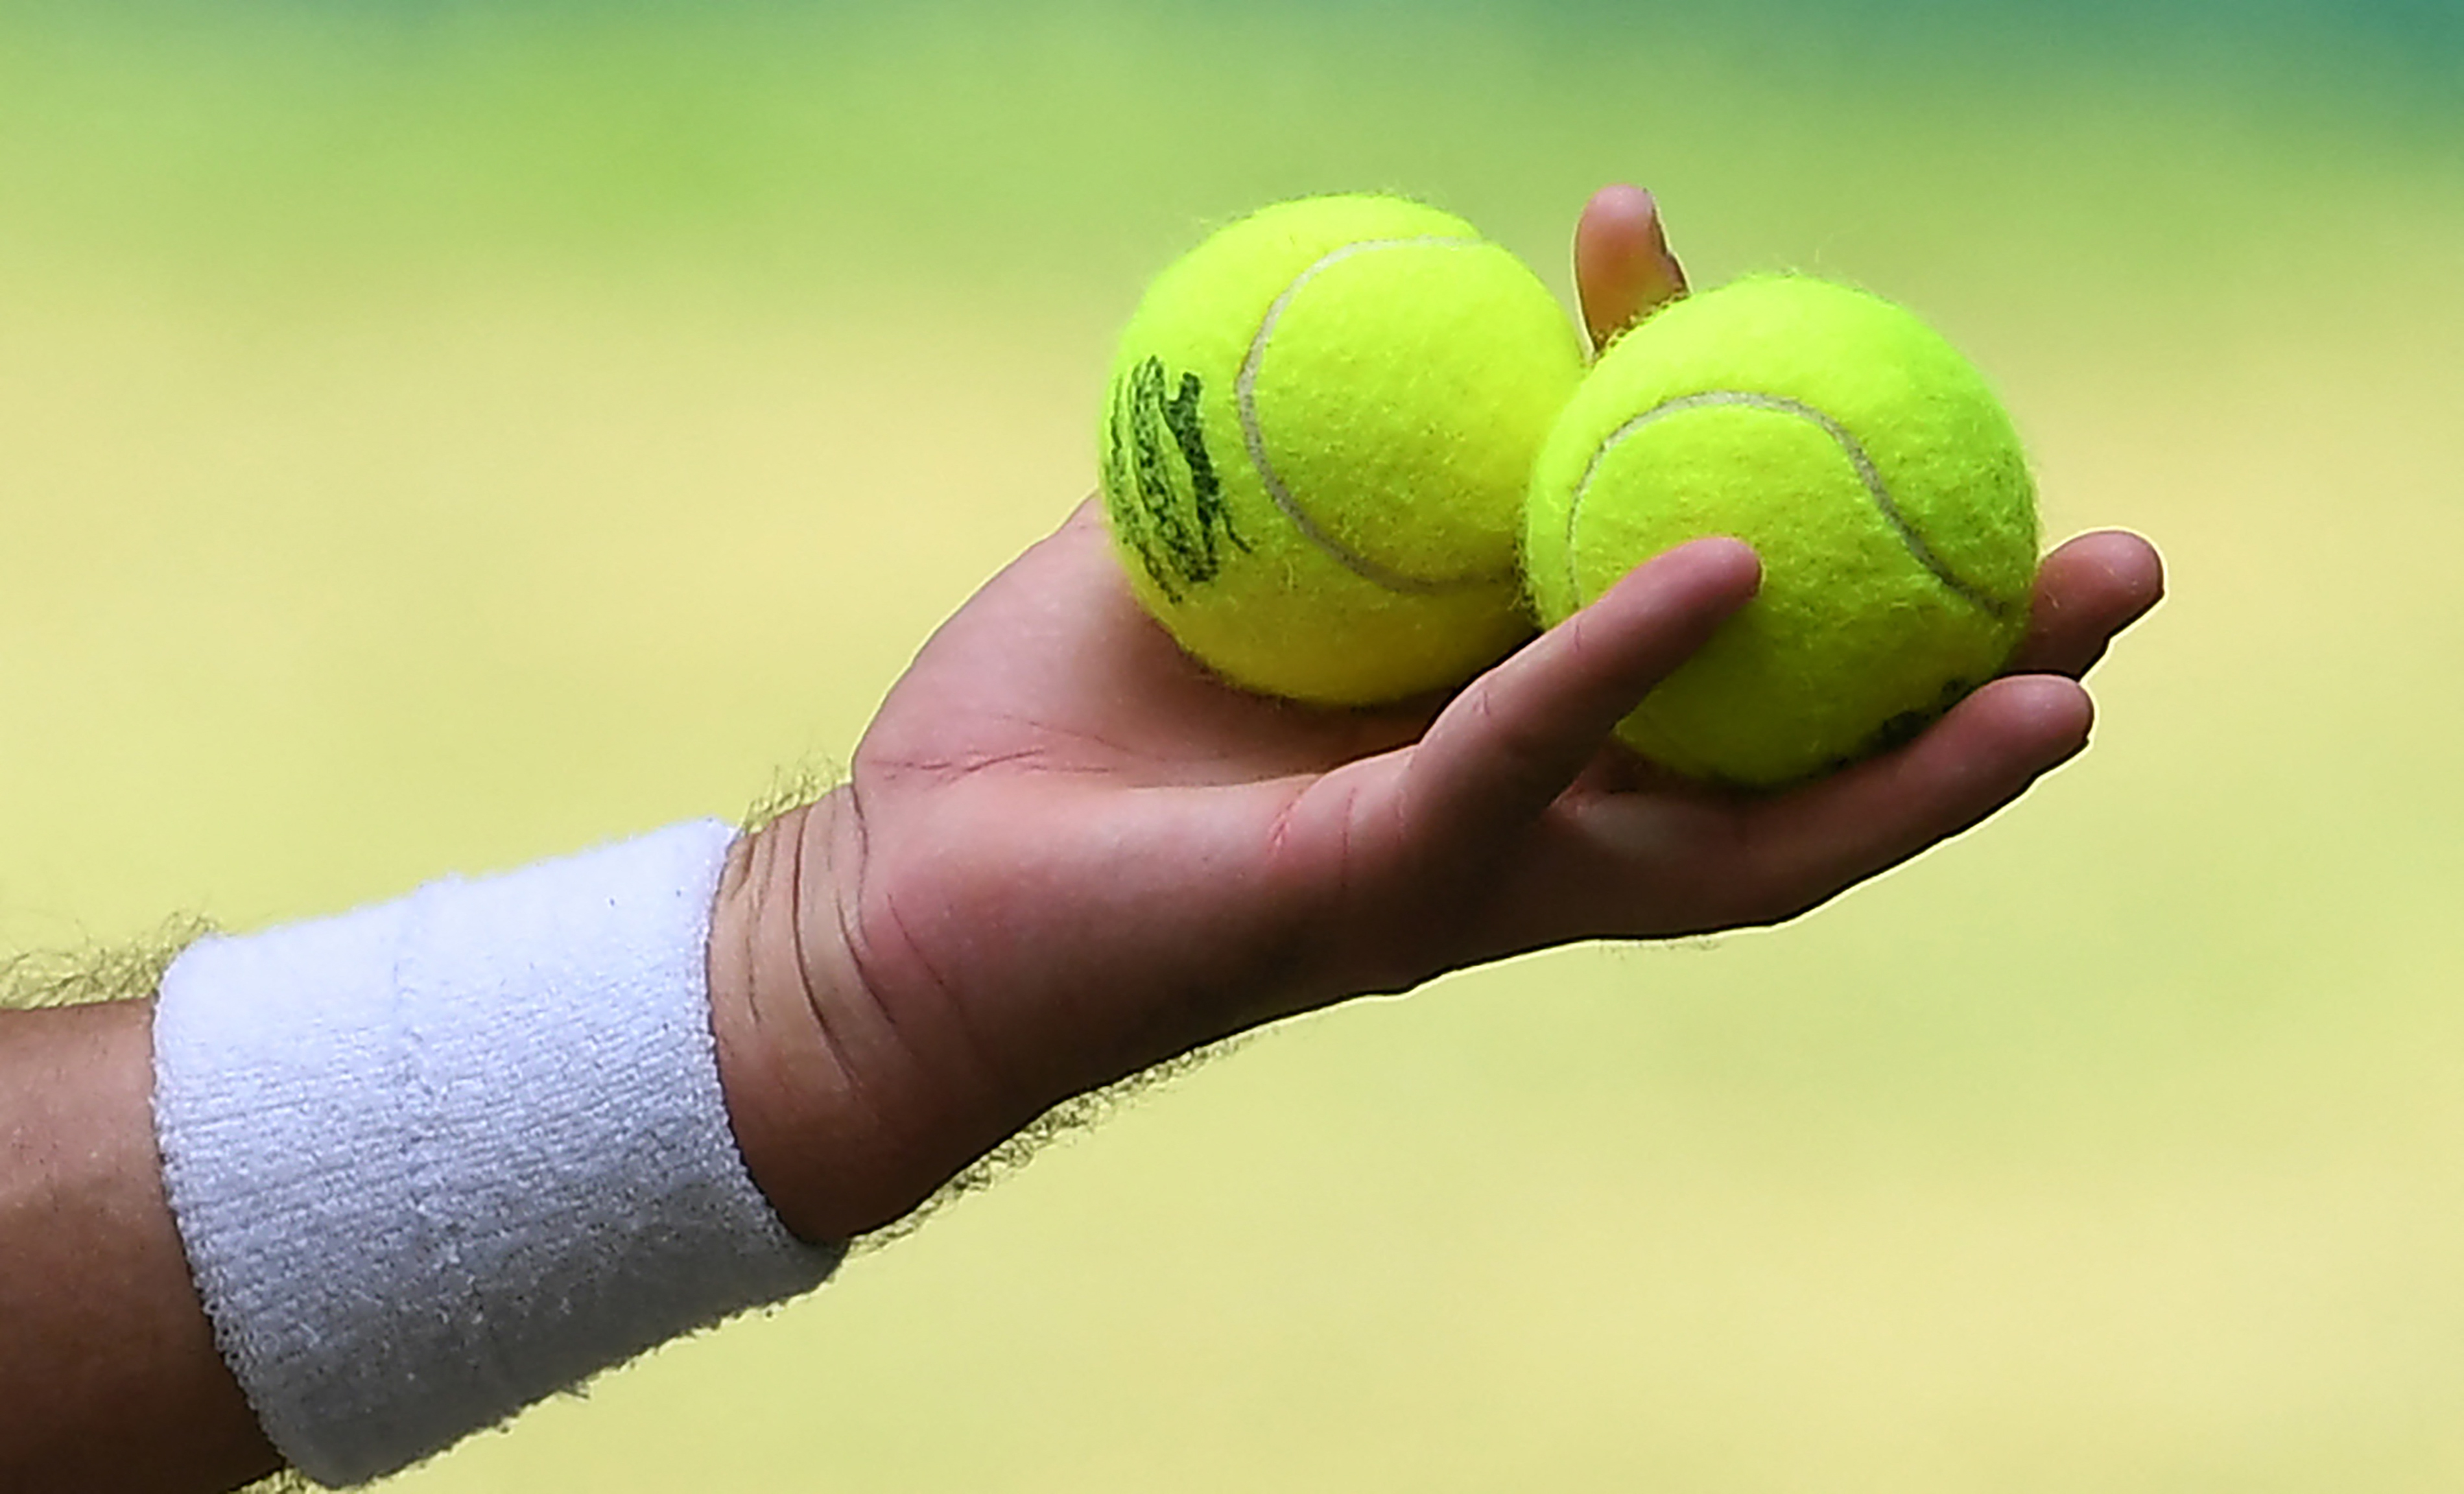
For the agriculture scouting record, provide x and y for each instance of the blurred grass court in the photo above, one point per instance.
(435, 436)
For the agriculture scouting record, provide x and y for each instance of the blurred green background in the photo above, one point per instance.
(435, 436)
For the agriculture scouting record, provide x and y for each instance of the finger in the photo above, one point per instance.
(1503, 750)
(1801, 848)
(1623, 270)
(2087, 591)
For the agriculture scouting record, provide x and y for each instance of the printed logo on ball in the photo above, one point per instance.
(1161, 487)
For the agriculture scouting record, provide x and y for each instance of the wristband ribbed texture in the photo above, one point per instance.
(438, 1160)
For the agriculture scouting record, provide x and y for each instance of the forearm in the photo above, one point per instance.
(108, 1372)
(425, 1162)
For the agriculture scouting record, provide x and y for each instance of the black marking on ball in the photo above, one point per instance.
(1909, 725)
(1159, 482)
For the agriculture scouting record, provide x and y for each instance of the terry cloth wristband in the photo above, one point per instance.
(437, 1159)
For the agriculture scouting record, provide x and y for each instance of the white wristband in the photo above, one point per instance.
(438, 1160)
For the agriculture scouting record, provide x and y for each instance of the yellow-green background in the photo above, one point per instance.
(436, 436)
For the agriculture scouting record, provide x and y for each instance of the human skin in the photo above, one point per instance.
(896, 988)
(108, 1376)
(1062, 854)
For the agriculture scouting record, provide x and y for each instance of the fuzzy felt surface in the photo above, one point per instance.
(1316, 442)
(437, 1159)
(1867, 462)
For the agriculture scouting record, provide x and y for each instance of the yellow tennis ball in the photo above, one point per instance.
(1316, 441)
(1864, 459)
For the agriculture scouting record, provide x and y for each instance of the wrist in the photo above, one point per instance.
(800, 1035)
(438, 1158)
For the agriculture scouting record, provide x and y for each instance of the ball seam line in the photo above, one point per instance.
(1858, 459)
(1244, 393)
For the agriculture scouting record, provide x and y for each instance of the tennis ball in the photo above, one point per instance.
(1863, 458)
(1317, 437)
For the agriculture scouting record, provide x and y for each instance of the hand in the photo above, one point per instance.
(1065, 852)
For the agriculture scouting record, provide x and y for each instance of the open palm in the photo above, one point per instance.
(1065, 851)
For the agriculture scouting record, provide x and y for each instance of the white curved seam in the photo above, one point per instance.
(1253, 435)
(1866, 473)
